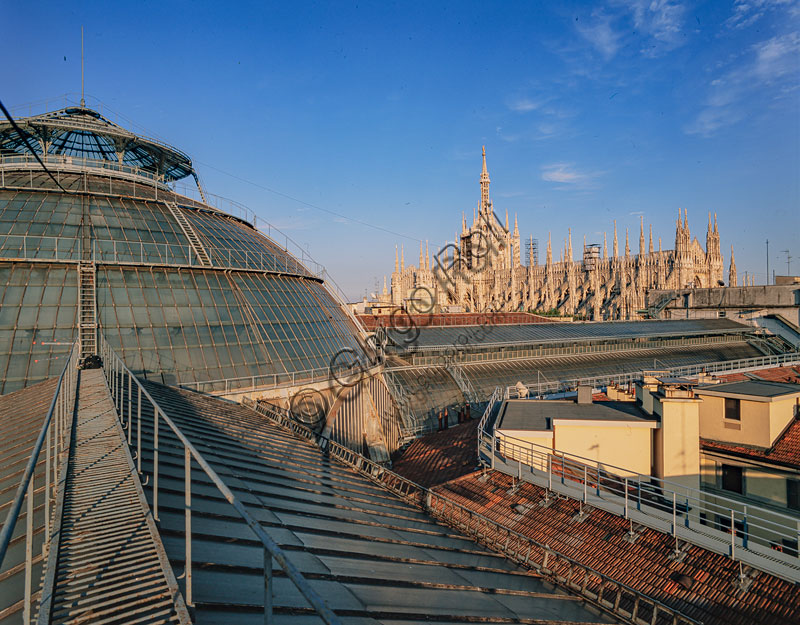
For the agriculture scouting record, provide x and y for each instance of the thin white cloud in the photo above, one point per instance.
(770, 69)
(662, 20)
(777, 57)
(600, 33)
(565, 173)
(748, 12)
(523, 104)
(658, 25)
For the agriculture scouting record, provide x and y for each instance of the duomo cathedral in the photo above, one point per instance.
(483, 271)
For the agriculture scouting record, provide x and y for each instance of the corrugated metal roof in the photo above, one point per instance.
(371, 556)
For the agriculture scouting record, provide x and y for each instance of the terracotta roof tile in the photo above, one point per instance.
(785, 451)
(441, 456)
(599, 542)
(775, 374)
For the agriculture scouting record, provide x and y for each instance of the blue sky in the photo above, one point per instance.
(378, 111)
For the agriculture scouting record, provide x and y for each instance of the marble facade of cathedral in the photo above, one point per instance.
(483, 271)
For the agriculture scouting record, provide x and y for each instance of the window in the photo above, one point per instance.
(732, 478)
(789, 546)
(793, 494)
(732, 409)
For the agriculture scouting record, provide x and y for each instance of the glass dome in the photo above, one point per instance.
(185, 292)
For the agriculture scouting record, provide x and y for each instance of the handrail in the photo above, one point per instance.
(64, 162)
(121, 381)
(279, 380)
(522, 549)
(659, 503)
(61, 406)
(496, 396)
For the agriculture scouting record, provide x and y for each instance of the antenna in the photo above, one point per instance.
(83, 101)
(788, 262)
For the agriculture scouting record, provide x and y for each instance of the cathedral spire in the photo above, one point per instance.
(463, 223)
(484, 184)
(427, 256)
(732, 270)
(641, 235)
(659, 245)
(651, 238)
(605, 245)
(549, 248)
(396, 261)
(716, 231)
(627, 245)
(402, 258)
(686, 220)
(516, 227)
(616, 245)
(569, 248)
(506, 220)
(421, 257)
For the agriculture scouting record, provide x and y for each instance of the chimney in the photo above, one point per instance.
(584, 394)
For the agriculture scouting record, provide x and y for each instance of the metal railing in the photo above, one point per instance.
(55, 437)
(613, 597)
(140, 184)
(497, 396)
(247, 383)
(128, 395)
(72, 164)
(742, 364)
(740, 530)
(37, 247)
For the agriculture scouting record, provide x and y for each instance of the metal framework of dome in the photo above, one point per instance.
(84, 133)
(189, 293)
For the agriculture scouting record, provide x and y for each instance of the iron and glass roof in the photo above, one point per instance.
(83, 133)
(467, 337)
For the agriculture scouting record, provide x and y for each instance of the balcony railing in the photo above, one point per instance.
(740, 530)
(129, 395)
(615, 598)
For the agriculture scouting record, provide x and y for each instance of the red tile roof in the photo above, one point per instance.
(785, 451)
(599, 542)
(775, 374)
(441, 456)
(372, 322)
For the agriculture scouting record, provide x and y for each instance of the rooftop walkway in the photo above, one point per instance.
(371, 556)
(111, 566)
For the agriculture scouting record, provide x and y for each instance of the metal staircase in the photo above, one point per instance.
(412, 426)
(87, 302)
(191, 235)
(463, 383)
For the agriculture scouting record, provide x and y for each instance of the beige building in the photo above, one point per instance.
(617, 434)
(483, 270)
(719, 447)
(750, 448)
